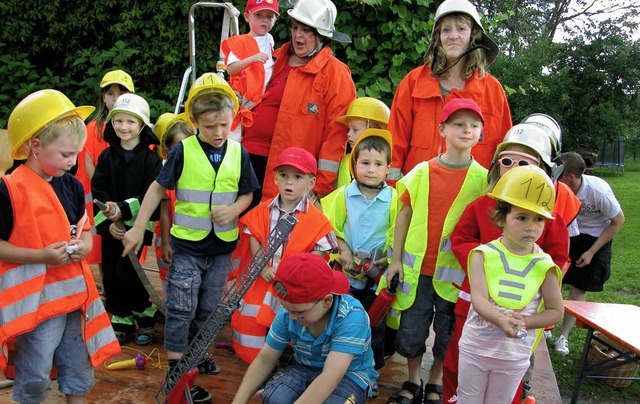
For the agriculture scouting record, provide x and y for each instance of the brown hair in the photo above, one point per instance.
(102, 111)
(499, 215)
(475, 60)
(211, 102)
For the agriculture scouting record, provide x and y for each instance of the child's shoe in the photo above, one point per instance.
(208, 367)
(145, 336)
(562, 345)
(200, 395)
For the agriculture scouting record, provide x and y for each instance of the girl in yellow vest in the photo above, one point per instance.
(49, 305)
(515, 289)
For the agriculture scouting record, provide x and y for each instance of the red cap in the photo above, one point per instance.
(299, 158)
(257, 5)
(457, 104)
(307, 278)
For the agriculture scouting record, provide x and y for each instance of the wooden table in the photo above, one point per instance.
(619, 322)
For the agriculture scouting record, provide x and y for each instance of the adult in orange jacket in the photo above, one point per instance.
(455, 68)
(315, 89)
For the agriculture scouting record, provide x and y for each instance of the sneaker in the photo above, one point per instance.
(208, 367)
(525, 389)
(547, 334)
(200, 395)
(562, 345)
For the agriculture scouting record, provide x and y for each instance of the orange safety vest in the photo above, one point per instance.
(314, 96)
(32, 293)
(257, 309)
(567, 203)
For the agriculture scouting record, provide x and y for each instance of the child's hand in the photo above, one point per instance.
(81, 250)
(132, 240)
(116, 213)
(382, 263)
(260, 57)
(55, 254)
(167, 252)
(346, 260)
(510, 325)
(268, 273)
(395, 268)
(116, 232)
(222, 215)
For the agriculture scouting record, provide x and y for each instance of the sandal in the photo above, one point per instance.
(415, 390)
(145, 336)
(433, 388)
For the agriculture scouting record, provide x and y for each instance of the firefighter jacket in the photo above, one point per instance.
(259, 305)
(33, 293)
(447, 269)
(415, 114)
(201, 188)
(315, 95)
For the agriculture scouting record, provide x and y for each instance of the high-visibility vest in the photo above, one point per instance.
(447, 267)
(201, 188)
(515, 282)
(32, 293)
(259, 305)
(344, 173)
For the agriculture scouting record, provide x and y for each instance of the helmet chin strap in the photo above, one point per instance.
(379, 186)
(457, 60)
(310, 55)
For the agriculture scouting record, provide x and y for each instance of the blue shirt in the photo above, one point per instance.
(347, 331)
(367, 220)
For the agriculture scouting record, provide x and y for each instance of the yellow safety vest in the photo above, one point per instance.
(447, 268)
(515, 282)
(200, 188)
(344, 174)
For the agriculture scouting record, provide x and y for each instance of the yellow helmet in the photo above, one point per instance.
(34, 113)
(165, 122)
(383, 133)
(210, 83)
(528, 187)
(118, 77)
(367, 108)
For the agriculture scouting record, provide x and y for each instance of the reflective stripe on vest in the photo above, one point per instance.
(513, 280)
(416, 182)
(328, 165)
(200, 188)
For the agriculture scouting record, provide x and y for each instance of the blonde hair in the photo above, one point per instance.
(475, 60)
(72, 125)
(211, 102)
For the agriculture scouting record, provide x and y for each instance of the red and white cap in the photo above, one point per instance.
(257, 5)
(299, 158)
(458, 104)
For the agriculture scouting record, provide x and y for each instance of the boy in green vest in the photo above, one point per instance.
(433, 195)
(214, 183)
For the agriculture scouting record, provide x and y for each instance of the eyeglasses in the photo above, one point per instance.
(508, 163)
(302, 314)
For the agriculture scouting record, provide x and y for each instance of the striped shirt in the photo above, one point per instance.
(347, 331)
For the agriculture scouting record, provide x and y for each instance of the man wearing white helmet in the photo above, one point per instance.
(309, 89)
(456, 60)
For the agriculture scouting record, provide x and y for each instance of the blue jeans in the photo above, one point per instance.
(194, 290)
(416, 320)
(57, 341)
(286, 388)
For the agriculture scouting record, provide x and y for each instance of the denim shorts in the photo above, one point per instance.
(287, 387)
(194, 289)
(416, 320)
(56, 341)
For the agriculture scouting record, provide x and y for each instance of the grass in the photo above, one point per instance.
(622, 287)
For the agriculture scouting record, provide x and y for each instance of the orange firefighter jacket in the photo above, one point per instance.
(250, 81)
(32, 293)
(415, 117)
(315, 95)
(258, 308)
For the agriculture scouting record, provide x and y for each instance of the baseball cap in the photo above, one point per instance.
(307, 278)
(457, 104)
(118, 77)
(257, 5)
(299, 158)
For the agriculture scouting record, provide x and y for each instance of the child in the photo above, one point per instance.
(169, 129)
(515, 287)
(433, 196)
(363, 113)
(295, 176)
(362, 214)
(249, 59)
(113, 85)
(214, 181)
(524, 144)
(51, 311)
(328, 331)
(123, 174)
